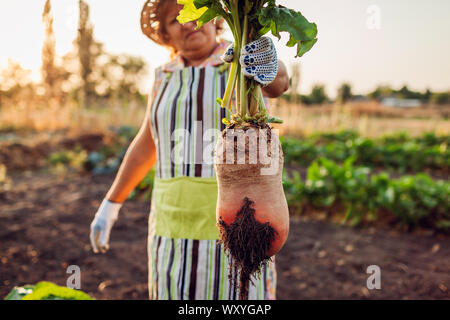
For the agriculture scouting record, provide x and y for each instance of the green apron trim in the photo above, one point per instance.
(185, 207)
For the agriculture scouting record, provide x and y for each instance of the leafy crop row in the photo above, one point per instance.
(398, 151)
(413, 200)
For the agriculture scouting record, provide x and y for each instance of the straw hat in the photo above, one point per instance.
(149, 21)
(150, 25)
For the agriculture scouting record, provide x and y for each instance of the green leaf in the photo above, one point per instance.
(189, 12)
(328, 201)
(45, 290)
(263, 31)
(201, 11)
(17, 293)
(443, 225)
(355, 221)
(292, 41)
(280, 19)
(210, 14)
(273, 119)
(201, 3)
(49, 291)
(304, 46)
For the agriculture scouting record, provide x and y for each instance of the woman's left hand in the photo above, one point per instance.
(258, 60)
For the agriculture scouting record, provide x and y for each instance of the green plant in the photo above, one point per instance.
(74, 158)
(144, 189)
(45, 290)
(249, 20)
(413, 200)
(397, 151)
(108, 158)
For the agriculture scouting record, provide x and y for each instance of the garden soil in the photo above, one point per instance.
(44, 228)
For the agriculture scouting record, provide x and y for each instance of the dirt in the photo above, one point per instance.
(32, 154)
(45, 228)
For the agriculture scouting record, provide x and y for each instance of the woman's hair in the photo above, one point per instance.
(152, 23)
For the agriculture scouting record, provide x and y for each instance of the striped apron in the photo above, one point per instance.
(185, 258)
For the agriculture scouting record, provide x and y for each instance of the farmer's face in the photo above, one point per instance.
(189, 42)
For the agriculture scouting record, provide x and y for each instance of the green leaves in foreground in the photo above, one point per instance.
(278, 19)
(263, 16)
(189, 12)
(45, 290)
(201, 11)
(248, 20)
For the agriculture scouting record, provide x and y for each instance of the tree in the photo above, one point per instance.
(406, 93)
(118, 77)
(427, 96)
(53, 70)
(16, 87)
(295, 82)
(344, 93)
(85, 45)
(48, 69)
(85, 73)
(318, 95)
(380, 91)
(441, 98)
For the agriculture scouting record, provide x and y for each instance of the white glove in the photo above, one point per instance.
(258, 60)
(101, 225)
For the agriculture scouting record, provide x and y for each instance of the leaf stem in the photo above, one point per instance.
(238, 91)
(243, 80)
(230, 85)
(261, 103)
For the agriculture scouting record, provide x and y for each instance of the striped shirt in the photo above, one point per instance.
(184, 117)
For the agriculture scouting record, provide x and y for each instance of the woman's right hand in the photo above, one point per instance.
(101, 225)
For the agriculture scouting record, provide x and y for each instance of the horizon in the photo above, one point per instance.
(383, 43)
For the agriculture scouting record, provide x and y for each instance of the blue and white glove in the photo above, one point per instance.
(101, 225)
(258, 60)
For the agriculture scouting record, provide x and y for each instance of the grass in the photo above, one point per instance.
(369, 119)
(69, 117)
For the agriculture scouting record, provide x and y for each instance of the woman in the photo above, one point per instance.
(185, 259)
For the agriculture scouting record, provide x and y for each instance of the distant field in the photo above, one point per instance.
(70, 117)
(370, 119)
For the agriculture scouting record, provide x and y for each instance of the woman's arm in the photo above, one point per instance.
(138, 160)
(278, 86)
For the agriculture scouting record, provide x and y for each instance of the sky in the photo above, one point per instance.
(365, 43)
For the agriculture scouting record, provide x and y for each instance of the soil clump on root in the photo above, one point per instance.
(246, 241)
